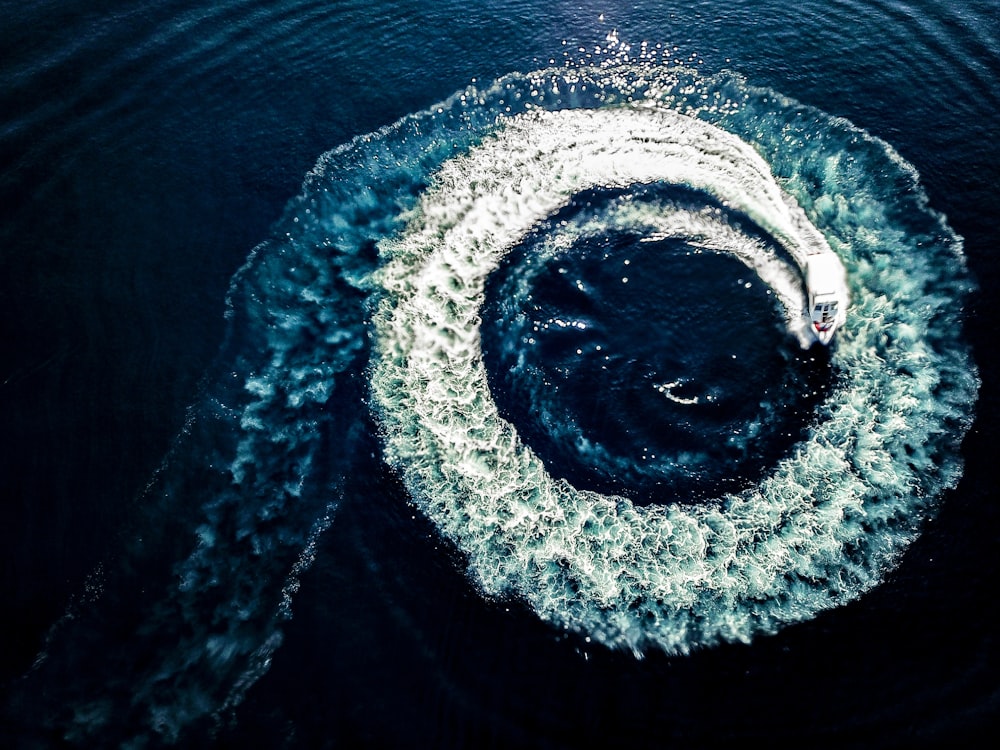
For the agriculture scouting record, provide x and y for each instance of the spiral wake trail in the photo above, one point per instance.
(524, 213)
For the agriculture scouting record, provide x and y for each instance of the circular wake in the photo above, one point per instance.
(828, 519)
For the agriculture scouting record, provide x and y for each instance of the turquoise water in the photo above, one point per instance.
(829, 518)
(477, 431)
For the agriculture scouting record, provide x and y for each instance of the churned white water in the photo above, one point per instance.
(827, 521)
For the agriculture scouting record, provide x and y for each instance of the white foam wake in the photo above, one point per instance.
(674, 575)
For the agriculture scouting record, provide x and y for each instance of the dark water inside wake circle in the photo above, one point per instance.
(145, 150)
(654, 370)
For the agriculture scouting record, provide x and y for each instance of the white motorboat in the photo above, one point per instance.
(827, 288)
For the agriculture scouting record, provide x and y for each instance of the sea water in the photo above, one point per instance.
(515, 397)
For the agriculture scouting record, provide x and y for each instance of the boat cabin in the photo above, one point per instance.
(824, 314)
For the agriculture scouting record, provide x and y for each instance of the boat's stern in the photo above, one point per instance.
(825, 316)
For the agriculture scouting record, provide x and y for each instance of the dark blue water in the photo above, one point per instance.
(204, 540)
(594, 367)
